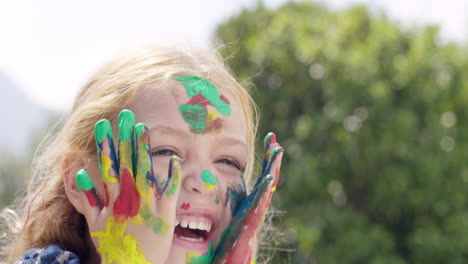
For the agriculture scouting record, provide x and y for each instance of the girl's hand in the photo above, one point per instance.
(133, 193)
(238, 243)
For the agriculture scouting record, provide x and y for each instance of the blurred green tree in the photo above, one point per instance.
(374, 120)
(16, 170)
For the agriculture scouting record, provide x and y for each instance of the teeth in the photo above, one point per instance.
(191, 239)
(201, 226)
(193, 225)
(201, 223)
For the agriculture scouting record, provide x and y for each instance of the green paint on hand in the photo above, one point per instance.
(194, 115)
(206, 259)
(160, 226)
(102, 129)
(126, 123)
(208, 177)
(139, 130)
(83, 181)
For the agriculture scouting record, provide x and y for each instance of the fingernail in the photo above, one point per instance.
(268, 139)
(140, 129)
(83, 181)
(101, 129)
(126, 123)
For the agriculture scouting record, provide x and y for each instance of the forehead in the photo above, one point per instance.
(163, 105)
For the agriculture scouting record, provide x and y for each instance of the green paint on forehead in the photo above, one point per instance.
(202, 93)
(126, 122)
(83, 181)
(194, 115)
(208, 177)
(195, 85)
(102, 129)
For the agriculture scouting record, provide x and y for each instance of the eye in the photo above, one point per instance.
(230, 162)
(164, 151)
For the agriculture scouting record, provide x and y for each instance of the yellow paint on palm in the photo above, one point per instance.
(142, 183)
(190, 255)
(125, 150)
(161, 226)
(106, 167)
(116, 247)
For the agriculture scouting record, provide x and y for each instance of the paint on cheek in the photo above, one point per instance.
(85, 184)
(209, 180)
(185, 206)
(195, 111)
(217, 199)
(116, 247)
(192, 257)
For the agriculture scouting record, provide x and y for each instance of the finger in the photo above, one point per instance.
(268, 141)
(235, 244)
(234, 247)
(107, 158)
(127, 204)
(166, 206)
(85, 184)
(270, 157)
(144, 178)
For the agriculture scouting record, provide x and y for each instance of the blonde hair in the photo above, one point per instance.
(45, 216)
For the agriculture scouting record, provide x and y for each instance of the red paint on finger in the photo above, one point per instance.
(241, 248)
(185, 206)
(128, 202)
(92, 199)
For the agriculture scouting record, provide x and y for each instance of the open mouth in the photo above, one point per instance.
(193, 229)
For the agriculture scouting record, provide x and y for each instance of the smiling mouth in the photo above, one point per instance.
(193, 229)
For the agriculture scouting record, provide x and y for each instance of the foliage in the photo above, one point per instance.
(375, 125)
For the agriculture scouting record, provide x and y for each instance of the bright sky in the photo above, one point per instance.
(50, 47)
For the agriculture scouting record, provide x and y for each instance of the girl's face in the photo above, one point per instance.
(214, 155)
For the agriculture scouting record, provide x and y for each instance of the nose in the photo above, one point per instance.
(198, 178)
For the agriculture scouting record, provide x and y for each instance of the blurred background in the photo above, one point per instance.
(369, 98)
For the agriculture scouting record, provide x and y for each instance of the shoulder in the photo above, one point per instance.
(52, 254)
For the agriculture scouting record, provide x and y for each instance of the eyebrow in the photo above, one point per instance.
(169, 130)
(225, 140)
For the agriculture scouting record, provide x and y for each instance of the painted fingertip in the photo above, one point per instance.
(175, 174)
(126, 123)
(269, 139)
(102, 128)
(83, 181)
(140, 129)
(269, 178)
(274, 152)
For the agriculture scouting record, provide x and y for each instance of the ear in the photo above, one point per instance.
(70, 165)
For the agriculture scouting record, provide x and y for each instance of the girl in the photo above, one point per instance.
(170, 189)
